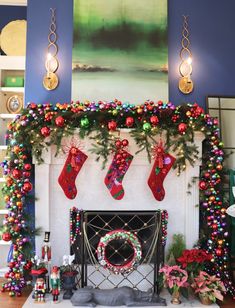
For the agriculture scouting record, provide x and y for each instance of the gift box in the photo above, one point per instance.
(14, 81)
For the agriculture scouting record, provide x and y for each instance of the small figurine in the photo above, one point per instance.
(55, 283)
(46, 248)
(39, 290)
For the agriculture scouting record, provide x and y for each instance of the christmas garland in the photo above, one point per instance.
(40, 126)
(133, 241)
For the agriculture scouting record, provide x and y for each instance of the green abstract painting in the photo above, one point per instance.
(120, 50)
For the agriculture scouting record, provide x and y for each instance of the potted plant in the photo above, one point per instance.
(68, 275)
(38, 270)
(194, 260)
(209, 288)
(174, 278)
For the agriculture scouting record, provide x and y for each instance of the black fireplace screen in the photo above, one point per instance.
(146, 225)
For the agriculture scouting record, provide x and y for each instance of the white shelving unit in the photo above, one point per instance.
(12, 89)
(3, 243)
(9, 66)
(3, 271)
(16, 2)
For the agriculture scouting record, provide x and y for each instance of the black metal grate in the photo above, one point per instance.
(144, 224)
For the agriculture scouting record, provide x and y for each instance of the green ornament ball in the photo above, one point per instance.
(84, 122)
(147, 127)
(114, 112)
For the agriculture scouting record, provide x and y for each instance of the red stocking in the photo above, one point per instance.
(72, 166)
(117, 170)
(161, 167)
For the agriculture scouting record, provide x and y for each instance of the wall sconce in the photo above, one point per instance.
(50, 79)
(185, 68)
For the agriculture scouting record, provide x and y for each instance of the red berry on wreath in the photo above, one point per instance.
(129, 121)
(112, 125)
(182, 128)
(154, 120)
(16, 174)
(125, 142)
(6, 237)
(45, 131)
(59, 121)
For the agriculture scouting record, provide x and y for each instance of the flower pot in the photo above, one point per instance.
(69, 283)
(204, 299)
(175, 298)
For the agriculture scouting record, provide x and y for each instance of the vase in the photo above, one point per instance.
(175, 298)
(204, 299)
(68, 284)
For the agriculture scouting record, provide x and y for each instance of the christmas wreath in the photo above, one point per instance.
(132, 240)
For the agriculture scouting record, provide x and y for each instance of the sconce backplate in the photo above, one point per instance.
(50, 81)
(185, 85)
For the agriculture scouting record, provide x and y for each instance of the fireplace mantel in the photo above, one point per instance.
(52, 206)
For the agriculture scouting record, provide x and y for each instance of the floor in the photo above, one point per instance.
(7, 302)
(17, 302)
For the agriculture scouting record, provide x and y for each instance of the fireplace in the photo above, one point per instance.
(52, 206)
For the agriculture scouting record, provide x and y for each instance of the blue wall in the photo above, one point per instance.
(9, 13)
(212, 25)
(39, 17)
(212, 36)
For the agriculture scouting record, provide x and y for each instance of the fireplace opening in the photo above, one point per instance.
(145, 225)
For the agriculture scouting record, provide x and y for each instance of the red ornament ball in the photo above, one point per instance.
(118, 144)
(6, 237)
(125, 142)
(112, 125)
(27, 167)
(59, 121)
(45, 131)
(219, 252)
(154, 120)
(202, 185)
(182, 128)
(16, 173)
(129, 121)
(27, 187)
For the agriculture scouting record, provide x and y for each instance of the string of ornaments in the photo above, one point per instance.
(42, 125)
(74, 224)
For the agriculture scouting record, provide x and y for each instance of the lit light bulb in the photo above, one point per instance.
(189, 60)
(49, 56)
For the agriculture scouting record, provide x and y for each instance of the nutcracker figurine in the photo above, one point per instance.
(46, 248)
(39, 290)
(55, 283)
